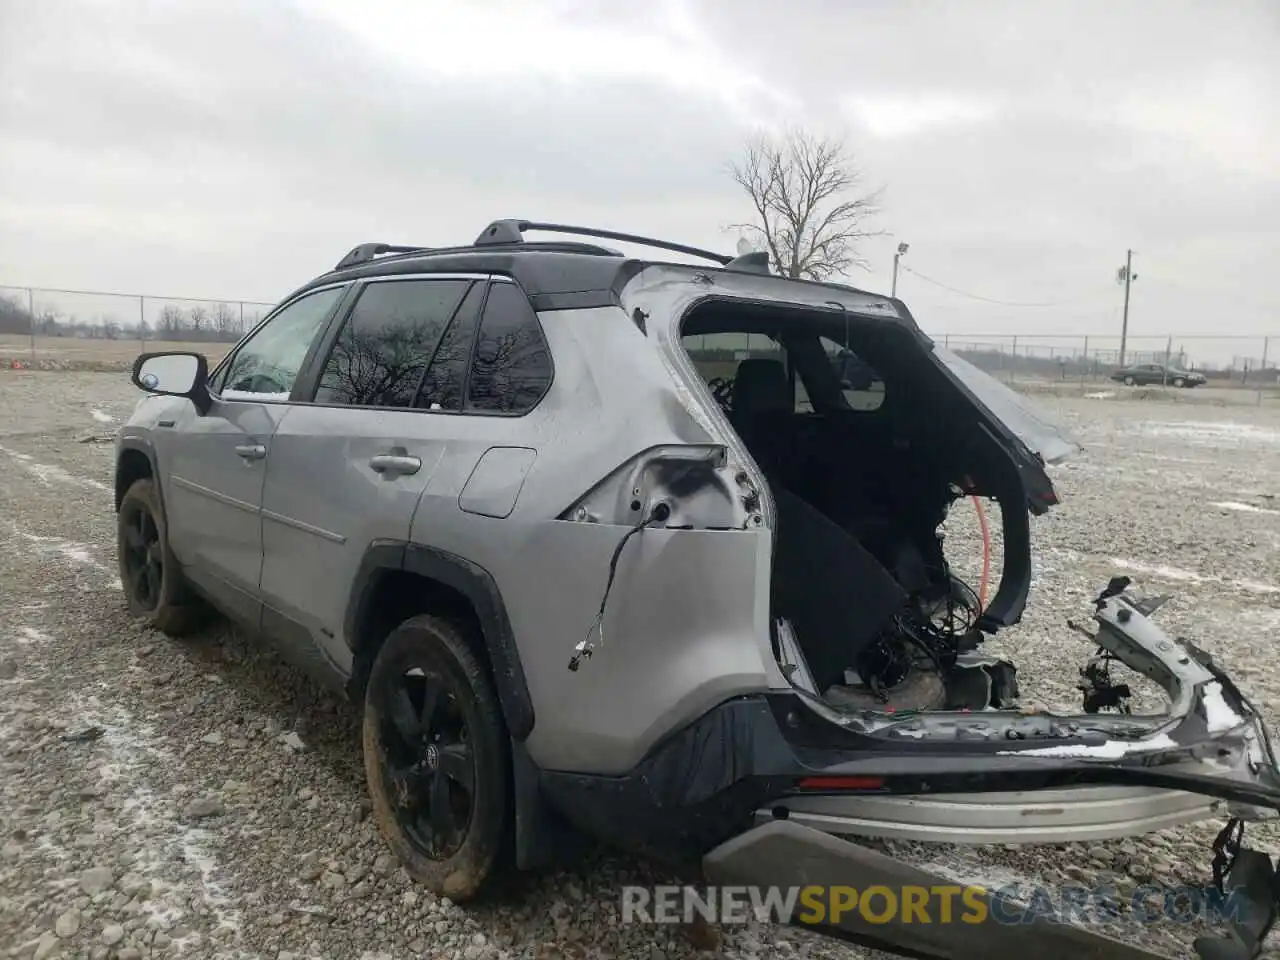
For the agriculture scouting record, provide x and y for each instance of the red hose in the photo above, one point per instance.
(986, 553)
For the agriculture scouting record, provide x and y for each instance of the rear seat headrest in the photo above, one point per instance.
(761, 386)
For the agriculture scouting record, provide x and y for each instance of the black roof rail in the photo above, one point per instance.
(367, 251)
(512, 231)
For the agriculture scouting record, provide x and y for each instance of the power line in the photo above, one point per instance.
(1006, 303)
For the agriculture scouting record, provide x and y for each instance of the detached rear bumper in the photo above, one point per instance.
(960, 777)
(1062, 815)
(978, 925)
(1103, 775)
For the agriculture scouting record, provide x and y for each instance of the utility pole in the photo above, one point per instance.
(31, 312)
(902, 248)
(1126, 276)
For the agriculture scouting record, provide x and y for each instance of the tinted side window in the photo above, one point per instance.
(446, 377)
(387, 342)
(266, 366)
(511, 367)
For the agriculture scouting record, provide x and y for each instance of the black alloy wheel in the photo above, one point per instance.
(155, 588)
(429, 773)
(142, 557)
(436, 756)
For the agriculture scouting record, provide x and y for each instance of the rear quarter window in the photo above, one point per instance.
(511, 364)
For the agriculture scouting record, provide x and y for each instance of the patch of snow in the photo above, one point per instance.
(30, 635)
(1190, 576)
(1260, 618)
(48, 473)
(35, 538)
(1215, 431)
(1198, 462)
(131, 743)
(1111, 750)
(960, 869)
(1101, 395)
(1243, 507)
(101, 416)
(78, 553)
(1218, 716)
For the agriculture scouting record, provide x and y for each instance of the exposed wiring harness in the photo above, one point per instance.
(948, 627)
(937, 633)
(586, 646)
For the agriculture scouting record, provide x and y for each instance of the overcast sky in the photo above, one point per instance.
(235, 148)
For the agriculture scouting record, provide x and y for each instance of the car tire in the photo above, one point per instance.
(1179, 382)
(1129, 381)
(154, 587)
(418, 759)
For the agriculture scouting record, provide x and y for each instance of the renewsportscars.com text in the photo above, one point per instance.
(939, 903)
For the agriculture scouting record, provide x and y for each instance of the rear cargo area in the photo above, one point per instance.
(865, 445)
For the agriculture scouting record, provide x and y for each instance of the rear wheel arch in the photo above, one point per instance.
(398, 580)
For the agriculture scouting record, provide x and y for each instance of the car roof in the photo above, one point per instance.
(556, 275)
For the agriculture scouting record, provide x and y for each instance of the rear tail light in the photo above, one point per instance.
(695, 481)
(842, 783)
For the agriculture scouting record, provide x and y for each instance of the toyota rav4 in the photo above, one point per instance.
(650, 551)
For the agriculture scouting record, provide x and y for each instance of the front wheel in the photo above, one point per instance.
(1179, 382)
(435, 757)
(154, 587)
(1129, 381)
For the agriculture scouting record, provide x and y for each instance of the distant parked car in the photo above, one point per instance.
(1145, 374)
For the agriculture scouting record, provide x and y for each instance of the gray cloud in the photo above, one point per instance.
(235, 149)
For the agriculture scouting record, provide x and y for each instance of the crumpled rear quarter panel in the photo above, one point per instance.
(687, 620)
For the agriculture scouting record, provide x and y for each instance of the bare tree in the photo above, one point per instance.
(225, 321)
(810, 211)
(14, 316)
(49, 322)
(198, 316)
(171, 321)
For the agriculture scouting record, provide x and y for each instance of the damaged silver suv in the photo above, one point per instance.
(650, 552)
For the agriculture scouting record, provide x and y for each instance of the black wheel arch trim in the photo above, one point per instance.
(476, 584)
(135, 445)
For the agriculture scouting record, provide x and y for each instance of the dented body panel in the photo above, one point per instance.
(670, 654)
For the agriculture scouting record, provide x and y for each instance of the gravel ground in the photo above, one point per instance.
(203, 799)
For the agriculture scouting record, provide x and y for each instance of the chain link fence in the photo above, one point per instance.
(1226, 359)
(84, 328)
(46, 327)
(1236, 368)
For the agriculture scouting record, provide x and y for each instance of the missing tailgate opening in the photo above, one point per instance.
(865, 445)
